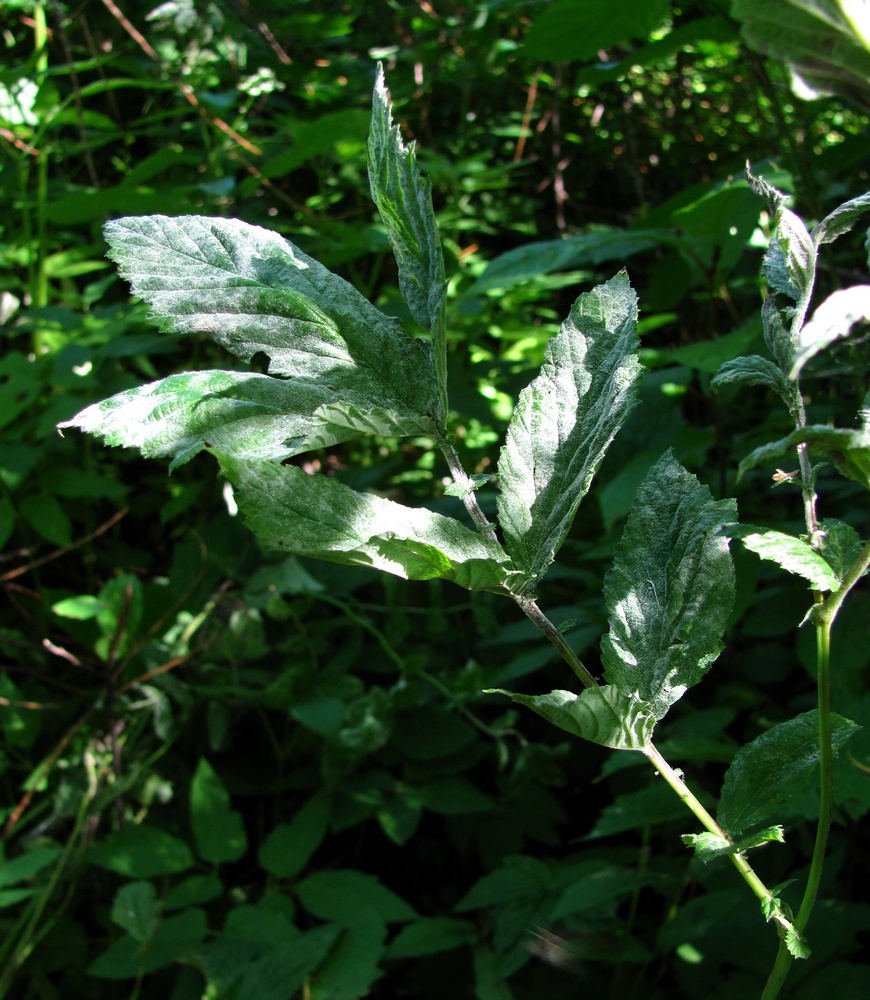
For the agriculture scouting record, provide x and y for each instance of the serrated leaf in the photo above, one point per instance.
(779, 340)
(794, 555)
(602, 715)
(318, 516)
(797, 943)
(774, 768)
(709, 846)
(773, 196)
(834, 318)
(774, 269)
(798, 249)
(244, 414)
(255, 293)
(840, 545)
(670, 589)
(752, 370)
(564, 422)
(847, 450)
(841, 219)
(404, 200)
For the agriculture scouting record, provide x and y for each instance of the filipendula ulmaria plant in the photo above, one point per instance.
(339, 369)
(830, 555)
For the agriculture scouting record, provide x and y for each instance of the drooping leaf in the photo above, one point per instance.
(752, 370)
(841, 219)
(255, 293)
(774, 768)
(834, 318)
(404, 200)
(847, 450)
(564, 422)
(794, 555)
(244, 414)
(318, 516)
(602, 715)
(670, 589)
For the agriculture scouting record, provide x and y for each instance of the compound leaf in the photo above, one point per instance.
(314, 515)
(670, 589)
(603, 715)
(564, 422)
(774, 768)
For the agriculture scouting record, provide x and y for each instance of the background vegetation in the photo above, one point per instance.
(235, 775)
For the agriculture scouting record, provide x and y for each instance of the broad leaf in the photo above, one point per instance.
(255, 293)
(602, 715)
(847, 450)
(670, 589)
(794, 555)
(840, 545)
(564, 422)
(244, 414)
(317, 516)
(404, 200)
(219, 831)
(834, 318)
(571, 30)
(773, 769)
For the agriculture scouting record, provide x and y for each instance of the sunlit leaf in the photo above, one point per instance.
(835, 318)
(794, 555)
(670, 589)
(841, 219)
(564, 422)
(847, 450)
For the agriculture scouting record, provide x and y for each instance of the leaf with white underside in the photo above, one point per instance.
(670, 589)
(841, 219)
(317, 516)
(404, 200)
(255, 293)
(776, 767)
(752, 370)
(602, 715)
(564, 422)
(244, 414)
(794, 555)
(834, 318)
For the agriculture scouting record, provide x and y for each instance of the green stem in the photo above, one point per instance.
(463, 481)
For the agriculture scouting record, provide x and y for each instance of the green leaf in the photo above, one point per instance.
(82, 608)
(431, 935)
(847, 450)
(564, 422)
(255, 293)
(752, 370)
(841, 219)
(352, 965)
(708, 846)
(289, 846)
(779, 340)
(774, 269)
(25, 866)
(840, 545)
(774, 768)
(670, 589)
(834, 318)
(798, 251)
(135, 908)
(142, 851)
(244, 414)
(349, 898)
(218, 830)
(602, 715)
(404, 200)
(320, 517)
(794, 555)
(570, 30)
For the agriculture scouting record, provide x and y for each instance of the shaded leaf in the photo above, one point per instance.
(286, 850)
(773, 769)
(602, 715)
(841, 219)
(431, 935)
(571, 30)
(219, 831)
(752, 370)
(564, 422)
(708, 846)
(142, 851)
(320, 517)
(670, 589)
(834, 318)
(350, 897)
(847, 450)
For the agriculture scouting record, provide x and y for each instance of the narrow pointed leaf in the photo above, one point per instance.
(847, 450)
(834, 318)
(564, 422)
(774, 269)
(773, 769)
(794, 555)
(798, 251)
(779, 340)
(841, 219)
(404, 200)
(254, 292)
(244, 414)
(670, 590)
(317, 516)
(752, 370)
(602, 715)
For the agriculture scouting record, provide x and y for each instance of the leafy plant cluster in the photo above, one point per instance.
(274, 776)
